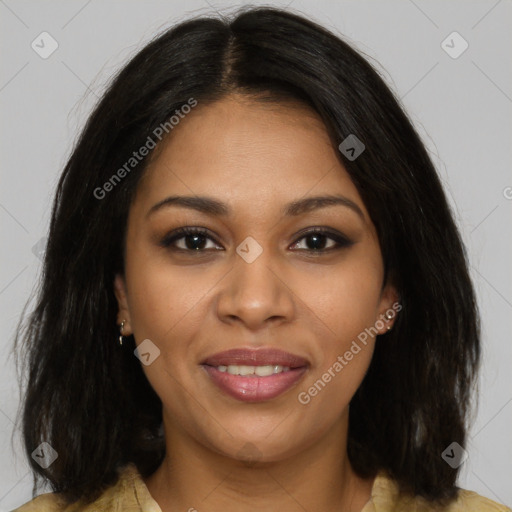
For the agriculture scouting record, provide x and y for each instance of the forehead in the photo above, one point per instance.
(248, 152)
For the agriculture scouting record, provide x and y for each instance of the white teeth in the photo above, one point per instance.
(245, 370)
(264, 371)
(260, 371)
(233, 369)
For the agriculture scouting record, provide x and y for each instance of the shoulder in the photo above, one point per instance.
(128, 494)
(49, 502)
(386, 498)
(472, 502)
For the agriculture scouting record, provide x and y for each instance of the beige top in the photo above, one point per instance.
(130, 494)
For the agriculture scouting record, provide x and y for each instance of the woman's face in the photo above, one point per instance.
(258, 276)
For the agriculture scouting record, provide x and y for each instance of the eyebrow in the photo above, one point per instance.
(214, 207)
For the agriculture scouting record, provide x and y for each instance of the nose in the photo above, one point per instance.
(256, 294)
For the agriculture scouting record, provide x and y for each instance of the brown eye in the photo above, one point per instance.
(322, 240)
(189, 239)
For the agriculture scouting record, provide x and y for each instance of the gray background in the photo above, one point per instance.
(462, 108)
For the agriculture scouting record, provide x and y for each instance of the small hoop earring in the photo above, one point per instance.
(121, 329)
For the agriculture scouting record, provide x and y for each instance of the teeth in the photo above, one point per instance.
(264, 371)
(245, 370)
(260, 371)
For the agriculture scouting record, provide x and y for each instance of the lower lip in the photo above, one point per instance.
(255, 389)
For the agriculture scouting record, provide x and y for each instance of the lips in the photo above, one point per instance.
(290, 368)
(259, 357)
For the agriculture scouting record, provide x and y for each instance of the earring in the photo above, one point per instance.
(121, 329)
(389, 316)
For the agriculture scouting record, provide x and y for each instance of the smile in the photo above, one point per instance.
(271, 373)
(259, 371)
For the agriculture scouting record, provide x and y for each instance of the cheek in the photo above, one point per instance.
(343, 347)
(163, 299)
(347, 304)
(346, 298)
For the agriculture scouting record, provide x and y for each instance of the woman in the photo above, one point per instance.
(254, 294)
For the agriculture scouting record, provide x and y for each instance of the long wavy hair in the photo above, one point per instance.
(92, 402)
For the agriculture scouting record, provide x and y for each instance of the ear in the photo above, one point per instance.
(389, 307)
(123, 314)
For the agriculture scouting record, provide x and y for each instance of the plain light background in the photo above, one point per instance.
(461, 106)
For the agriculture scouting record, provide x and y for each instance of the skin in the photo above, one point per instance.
(278, 455)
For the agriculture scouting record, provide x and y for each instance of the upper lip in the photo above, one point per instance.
(255, 357)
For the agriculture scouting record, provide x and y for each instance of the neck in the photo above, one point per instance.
(318, 478)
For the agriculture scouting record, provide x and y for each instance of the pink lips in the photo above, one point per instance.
(255, 388)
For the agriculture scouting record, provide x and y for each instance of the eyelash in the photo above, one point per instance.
(341, 241)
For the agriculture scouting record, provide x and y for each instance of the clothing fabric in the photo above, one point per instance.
(130, 494)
